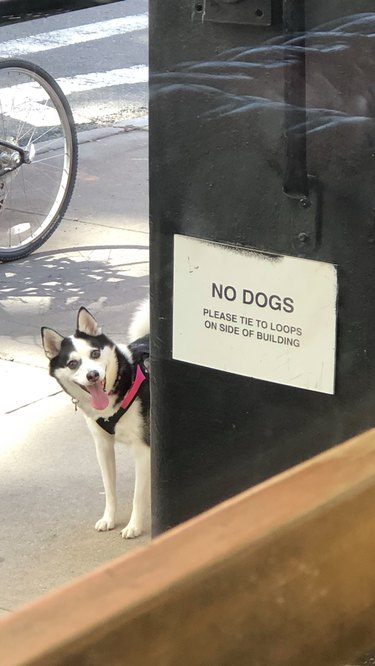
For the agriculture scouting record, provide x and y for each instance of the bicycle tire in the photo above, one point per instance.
(54, 151)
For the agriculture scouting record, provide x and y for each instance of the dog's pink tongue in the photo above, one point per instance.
(99, 398)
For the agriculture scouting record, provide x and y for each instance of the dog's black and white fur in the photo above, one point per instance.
(98, 374)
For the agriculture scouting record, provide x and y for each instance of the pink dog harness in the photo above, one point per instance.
(132, 393)
(141, 376)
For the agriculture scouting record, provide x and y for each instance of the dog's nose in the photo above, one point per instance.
(92, 376)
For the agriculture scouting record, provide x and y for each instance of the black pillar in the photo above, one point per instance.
(261, 137)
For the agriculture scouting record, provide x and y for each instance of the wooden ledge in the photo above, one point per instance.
(282, 574)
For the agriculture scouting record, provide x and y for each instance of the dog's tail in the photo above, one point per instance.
(140, 325)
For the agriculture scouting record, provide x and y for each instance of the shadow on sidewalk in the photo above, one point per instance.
(73, 274)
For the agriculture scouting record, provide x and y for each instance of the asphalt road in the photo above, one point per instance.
(98, 55)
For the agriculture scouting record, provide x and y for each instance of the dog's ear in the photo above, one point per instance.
(86, 323)
(51, 342)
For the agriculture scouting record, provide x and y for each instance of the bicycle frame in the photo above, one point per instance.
(14, 161)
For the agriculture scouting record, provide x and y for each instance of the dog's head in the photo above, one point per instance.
(84, 364)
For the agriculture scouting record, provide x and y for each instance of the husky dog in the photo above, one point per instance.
(109, 383)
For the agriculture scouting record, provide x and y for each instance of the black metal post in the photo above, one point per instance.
(295, 180)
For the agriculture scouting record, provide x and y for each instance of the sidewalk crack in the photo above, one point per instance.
(33, 402)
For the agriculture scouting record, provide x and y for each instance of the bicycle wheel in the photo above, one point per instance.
(38, 157)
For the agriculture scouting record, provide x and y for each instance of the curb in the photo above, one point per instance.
(127, 125)
(131, 124)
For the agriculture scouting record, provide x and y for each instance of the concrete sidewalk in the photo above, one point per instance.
(50, 485)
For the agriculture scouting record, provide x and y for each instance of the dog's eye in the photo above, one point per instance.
(95, 353)
(73, 365)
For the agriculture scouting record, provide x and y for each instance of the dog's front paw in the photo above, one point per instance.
(104, 524)
(131, 531)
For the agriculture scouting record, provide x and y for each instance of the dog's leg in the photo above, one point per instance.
(141, 453)
(105, 451)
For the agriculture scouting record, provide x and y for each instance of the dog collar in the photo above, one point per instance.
(109, 424)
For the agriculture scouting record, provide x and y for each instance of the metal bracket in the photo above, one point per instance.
(242, 12)
(300, 218)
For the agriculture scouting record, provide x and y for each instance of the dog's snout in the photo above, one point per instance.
(92, 376)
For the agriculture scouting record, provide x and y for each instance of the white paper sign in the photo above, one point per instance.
(256, 314)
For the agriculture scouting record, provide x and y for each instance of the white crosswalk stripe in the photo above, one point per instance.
(114, 77)
(39, 115)
(84, 113)
(82, 33)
